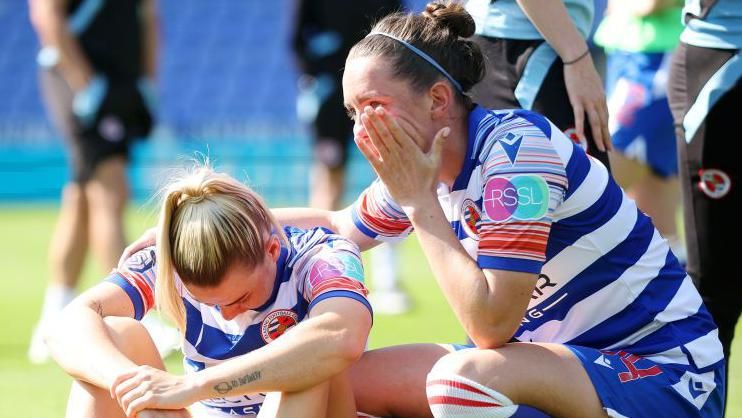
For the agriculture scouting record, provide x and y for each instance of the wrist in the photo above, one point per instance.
(196, 385)
(421, 208)
(577, 58)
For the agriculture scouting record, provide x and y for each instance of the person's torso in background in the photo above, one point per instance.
(505, 19)
(110, 34)
(713, 23)
(330, 28)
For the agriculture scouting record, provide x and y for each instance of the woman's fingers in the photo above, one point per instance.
(120, 379)
(139, 403)
(372, 131)
(596, 128)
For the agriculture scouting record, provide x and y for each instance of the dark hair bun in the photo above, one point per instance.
(452, 16)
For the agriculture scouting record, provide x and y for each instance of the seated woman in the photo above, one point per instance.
(233, 281)
(575, 302)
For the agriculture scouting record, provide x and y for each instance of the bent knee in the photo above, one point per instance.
(462, 363)
(133, 340)
(451, 394)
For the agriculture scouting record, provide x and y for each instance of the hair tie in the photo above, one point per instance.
(424, 56)
(197, 199)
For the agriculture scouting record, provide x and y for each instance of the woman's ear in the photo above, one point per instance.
(442, 97)
(273, 247)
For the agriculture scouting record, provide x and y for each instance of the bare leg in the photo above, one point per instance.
(515, 369)
(391, 381)
(657, 197)
(309, 403)
(69, 244)
(660, 199)
(327, 186)
(89, 401)
(340, 401)
(70, 238)
(331, 399)
(107, 193)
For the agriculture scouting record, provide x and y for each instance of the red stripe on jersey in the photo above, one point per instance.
(143, 286)
(371, 216)
(339, 283)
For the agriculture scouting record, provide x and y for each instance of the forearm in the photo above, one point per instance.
(468, 291)
(52, 31)
(305, 217)
(308, 354)
(339, 222)
(82, 347)
(555, 25)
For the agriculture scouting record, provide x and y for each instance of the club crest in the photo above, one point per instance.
(470, 218)
(714, 183)
(276, 323)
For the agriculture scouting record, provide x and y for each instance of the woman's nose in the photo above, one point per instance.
(229, 312)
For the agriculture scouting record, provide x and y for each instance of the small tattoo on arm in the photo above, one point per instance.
(97, 307)
(224, 387)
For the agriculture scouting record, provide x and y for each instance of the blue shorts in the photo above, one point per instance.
(640, 120)
(636, 387)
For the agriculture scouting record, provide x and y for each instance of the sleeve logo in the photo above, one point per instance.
(522, 197)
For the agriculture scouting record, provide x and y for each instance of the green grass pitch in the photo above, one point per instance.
(40, 391)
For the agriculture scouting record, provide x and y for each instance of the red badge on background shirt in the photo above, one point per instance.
(714, 183)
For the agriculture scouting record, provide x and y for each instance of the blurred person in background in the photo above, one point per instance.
(705, 93)
(538, 59)
(97, 64)
(639, 37)
(324, 31)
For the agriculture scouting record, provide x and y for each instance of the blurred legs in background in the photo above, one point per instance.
(91, 218)
(645, 161)
(387, 296)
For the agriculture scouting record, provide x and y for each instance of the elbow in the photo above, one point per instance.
(350, 347)
(491, 336)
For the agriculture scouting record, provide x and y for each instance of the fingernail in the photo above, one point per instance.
(368, 110)
(446, 131)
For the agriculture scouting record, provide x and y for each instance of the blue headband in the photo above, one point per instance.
(424, 56)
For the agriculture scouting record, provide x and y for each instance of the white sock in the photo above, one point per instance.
(384, 270)
(454, 396)
(55, 299)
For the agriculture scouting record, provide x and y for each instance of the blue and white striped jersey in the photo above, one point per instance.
(314, 266)
(528, 199)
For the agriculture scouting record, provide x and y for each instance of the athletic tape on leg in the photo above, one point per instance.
(453, 396)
